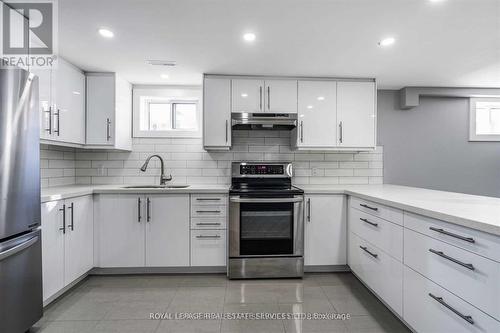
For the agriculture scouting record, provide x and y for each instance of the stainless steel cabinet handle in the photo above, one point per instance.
(364, 248)
(456, 261)
(139, 210)
(18, 248)
(268, 98)
(369, 207)
(370, 223)
(441, 301)
(49, 112)
(208, 199)
(148, 210)
(108, 129)
(264, 200)
(226, 130)
(208, 211)
(341, 130)
(301, 131)
(260, 98)
(447, 233)
(207, 223)
(208, 236)
(309, 210)
(72, 225)
(58, 114)
(63, 210)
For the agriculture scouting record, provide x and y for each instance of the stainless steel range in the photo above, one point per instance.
(266, 222)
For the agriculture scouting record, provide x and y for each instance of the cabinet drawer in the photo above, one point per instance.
(426, 314)
(381, 233)
(469, 276)
(208, 223)
(208, 211)
(208, 247)
(482, 243)
(387, 213)
(382, 273)
(208, 199)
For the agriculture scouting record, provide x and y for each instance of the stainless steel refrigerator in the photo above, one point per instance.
(20, 234)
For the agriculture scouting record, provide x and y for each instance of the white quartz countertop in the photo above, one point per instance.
(476, 212)
(71, 191)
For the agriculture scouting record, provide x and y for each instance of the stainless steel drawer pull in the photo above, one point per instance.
(364, 248)
(208, 223)
(366, 206)
(447, 233)
(370, 223)
(208, 199)
(208, 237)
(441, 301)
(442, 255)
(208, 211)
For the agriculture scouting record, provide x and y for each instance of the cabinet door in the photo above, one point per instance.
(167, 230)
(281, 96)
(121, 230)
(317, 114)
(45, 102)
(325, 230)
(79, 241)
(100, 108)
(52, 248)
(356, 114)
(248, 95)
(217, 113)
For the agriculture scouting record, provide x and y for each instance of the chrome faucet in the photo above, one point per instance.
(163, 178)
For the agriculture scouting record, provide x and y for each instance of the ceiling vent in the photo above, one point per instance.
(161, 62)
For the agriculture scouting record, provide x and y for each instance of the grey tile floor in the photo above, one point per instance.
(124, 304)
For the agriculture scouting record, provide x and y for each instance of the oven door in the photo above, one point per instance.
(266, 227)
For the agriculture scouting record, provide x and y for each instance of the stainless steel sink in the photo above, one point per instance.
(156, 186)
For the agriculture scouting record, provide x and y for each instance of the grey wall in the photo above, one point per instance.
(428, 146)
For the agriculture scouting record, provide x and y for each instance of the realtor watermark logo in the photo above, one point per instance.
(28, 33)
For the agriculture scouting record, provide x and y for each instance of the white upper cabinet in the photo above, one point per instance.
(317, 101)
(62, 104)
(217, 113)
(280, 96)
(356, 114)
(248, 95)
(109, 111)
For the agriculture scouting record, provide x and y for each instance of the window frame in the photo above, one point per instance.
(472, 120)
(143, 97)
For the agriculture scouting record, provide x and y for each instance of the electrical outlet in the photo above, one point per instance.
(317, 172)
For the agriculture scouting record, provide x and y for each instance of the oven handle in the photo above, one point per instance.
(266, 200)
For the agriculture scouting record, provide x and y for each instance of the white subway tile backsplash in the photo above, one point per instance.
(188, 162)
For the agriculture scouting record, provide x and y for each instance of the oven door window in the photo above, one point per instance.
(266, 228)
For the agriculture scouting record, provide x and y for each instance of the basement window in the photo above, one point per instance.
(484, 123)
(158, 115)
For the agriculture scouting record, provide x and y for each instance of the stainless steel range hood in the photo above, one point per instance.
(278, 121)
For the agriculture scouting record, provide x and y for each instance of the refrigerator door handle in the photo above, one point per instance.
(18, 248)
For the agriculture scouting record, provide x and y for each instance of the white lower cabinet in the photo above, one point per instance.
(67, 242)
(143, 230)
(208, 247)
(325, 230)
(378, 270)
(429, 308)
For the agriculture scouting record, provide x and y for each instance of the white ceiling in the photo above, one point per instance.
(448, 43)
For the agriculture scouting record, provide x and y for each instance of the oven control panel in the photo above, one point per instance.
(261, 169)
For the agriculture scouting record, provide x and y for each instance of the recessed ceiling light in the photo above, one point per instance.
(76, 93)
(321, 98)
(164, 76)
(309, 106)
(161, 62)
(249, 37)
(104, 32)
(436, 0)
(244, 95)
(387, 41)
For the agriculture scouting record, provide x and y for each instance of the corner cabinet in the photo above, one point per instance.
(216, 113)
(336, 115)
(109, 112)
